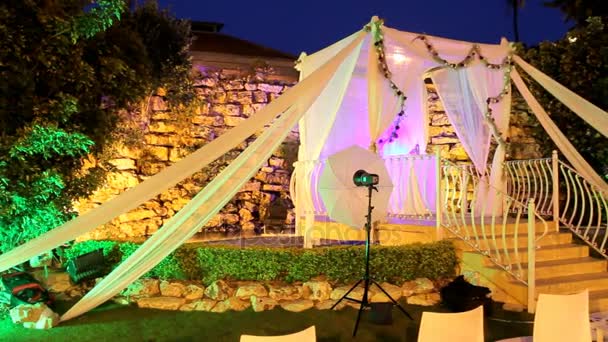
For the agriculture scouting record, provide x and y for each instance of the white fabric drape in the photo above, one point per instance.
(452, 50)
(407, 71)
(382, 102)
(461, 107)
(212, 198)
(415, 175)
(486, 83)
(314, 129)
(587, 111)
(564, 145)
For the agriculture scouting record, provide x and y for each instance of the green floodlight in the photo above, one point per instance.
(363, 178)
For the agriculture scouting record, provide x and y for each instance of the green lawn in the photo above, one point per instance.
(117, 323)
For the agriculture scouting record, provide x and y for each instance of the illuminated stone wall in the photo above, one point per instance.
(229, 97)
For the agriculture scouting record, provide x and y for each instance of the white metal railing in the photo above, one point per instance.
(531, 178)
(583, 208)
(565, 195)
(493, 223)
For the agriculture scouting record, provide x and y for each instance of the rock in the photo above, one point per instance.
(121, 180)
(297, 305)
(357, 293)
(54, 281)
(123, 163)
(250, 109)
(439, 119)
(417, 286)
(199, 305)
(444, 140)
(246, 291)
(143, 288)
(513, 307)
(394, 291)
(158, 103)
(424, 299)
(284, 292)
(75, 292)
(168, 289)
(435, 131)
(194, 292)
(252, 186)
(226, 109)
(136, 215)
(121, 300)
(424, 285)
(209, 120)
(319, 290)
(262, 303)
(36, 316)
(260, 97)
(159, 153)
(243, 97)
(162, 140)
(245, 215)
(458, 153)
(42, 260)
(233, 121)
(233, 304)
(162, 127)
(161, 303)
(270, 88)
(327, 304)
(219, 290)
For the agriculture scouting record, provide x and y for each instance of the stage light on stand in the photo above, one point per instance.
(363, 178)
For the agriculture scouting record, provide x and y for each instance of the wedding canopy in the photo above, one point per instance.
(350, 93)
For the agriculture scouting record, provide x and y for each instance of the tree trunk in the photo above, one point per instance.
(515, 20)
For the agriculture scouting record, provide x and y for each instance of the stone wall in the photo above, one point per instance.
(221, 296)
(441, 131)
(228, 98)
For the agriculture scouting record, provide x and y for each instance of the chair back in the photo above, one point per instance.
(454, 327)
(308, 335)
(562, 318)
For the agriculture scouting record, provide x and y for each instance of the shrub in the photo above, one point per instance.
(340, 264)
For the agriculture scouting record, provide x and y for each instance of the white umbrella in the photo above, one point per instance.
(345, 202)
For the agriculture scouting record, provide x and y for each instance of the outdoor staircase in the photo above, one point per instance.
(562, 266)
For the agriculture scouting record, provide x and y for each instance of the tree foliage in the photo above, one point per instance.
(579, 10)
(70, 71)
(580, 62)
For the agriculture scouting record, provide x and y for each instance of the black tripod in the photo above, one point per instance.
(367, 281)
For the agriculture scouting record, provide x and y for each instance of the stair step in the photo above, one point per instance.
(510, 228)
(598, 301)
(546, 253)
(573, 284)
(565, 267)
(552, 238)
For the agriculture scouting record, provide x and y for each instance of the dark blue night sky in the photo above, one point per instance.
(309, 25)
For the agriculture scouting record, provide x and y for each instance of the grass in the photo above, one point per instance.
(115, 323)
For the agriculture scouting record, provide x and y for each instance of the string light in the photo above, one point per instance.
(475, 51)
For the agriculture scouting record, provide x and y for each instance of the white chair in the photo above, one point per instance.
(454, 327)
(308, 335)
(562, 318)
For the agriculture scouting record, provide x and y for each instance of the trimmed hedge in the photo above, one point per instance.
(340, 264)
